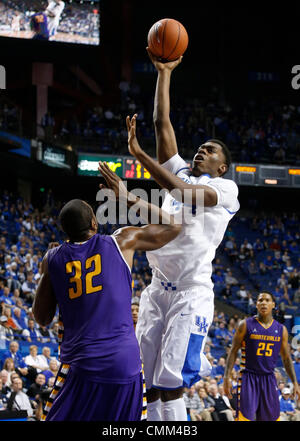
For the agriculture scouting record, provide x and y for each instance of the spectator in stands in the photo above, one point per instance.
(34, 361)
(293, 279)
(52, 370)
(5, 381)
(19, 318)
(258, 245)
(281, 385)
(297, 365)
(296, 299)
(221, 404)
(226, 293)
(45, 356)
(9, 366)
(288, 268)
(222, 336)
(282, 282)
(206, 405)
(29, 288)
(242, 292)
(269, 263)
(55, 330)
(36, 388)
(218, 278)
(17, 399)
(32, 334)
(252, 267)
(251, 307)
(135, 313)
(46, 335)
(3, 398)
(288, 411)
(11, 322)
(5, 299)
(6, 333)
(194, 405)
(230, 279)
(219, 370)
(14, 353)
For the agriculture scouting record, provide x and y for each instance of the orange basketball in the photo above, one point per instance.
(167, 39)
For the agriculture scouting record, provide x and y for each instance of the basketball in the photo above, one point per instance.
(167, 39)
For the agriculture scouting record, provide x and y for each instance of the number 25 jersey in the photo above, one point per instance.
(261, 346)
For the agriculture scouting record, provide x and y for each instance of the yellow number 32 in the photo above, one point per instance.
(75, 268)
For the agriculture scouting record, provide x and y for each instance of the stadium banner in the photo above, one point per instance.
(57, 157)
(87, 164)
(15, 144)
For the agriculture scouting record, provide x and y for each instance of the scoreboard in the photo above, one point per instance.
(134, 170)
(267, 175)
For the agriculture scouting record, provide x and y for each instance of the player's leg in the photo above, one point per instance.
(173, 405)
(149, 334)
(248, 399)
(181, 361)
(79, 398)
(269, 408)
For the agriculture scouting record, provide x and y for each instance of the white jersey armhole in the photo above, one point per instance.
(121, 254)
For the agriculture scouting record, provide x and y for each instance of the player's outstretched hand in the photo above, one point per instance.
(112, 181)
(169, 65)
(133, 145)
(296, 393)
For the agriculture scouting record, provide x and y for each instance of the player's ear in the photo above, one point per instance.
(222, 169)
(94, 224)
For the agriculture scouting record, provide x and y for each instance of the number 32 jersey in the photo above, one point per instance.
(261, 346)
(92, 284)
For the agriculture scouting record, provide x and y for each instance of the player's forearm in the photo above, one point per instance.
(162, 97)
(150, 213)
(289, 367)
(229, 364)
(171, 182)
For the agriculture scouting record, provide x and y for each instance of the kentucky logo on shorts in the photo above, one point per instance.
(201, 323)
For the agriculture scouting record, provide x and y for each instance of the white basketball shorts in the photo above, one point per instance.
(171, 330)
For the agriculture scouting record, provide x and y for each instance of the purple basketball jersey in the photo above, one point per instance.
(261, 346)
(92, 285)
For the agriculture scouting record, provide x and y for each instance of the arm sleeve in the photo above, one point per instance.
(227, 193)
(175, 164)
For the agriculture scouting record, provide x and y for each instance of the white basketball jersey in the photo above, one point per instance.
(57, 10)
(188, 258)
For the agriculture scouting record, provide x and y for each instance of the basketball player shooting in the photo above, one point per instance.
(54, 11)
(261, 339)
(44, 24)
(89, 278)
(176, 309)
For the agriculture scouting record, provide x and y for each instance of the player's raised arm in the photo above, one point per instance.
(44, 304)
(147, 211)
(236, 345)
(288, 362)
(165, 178)
(146, 238)
(166, 145)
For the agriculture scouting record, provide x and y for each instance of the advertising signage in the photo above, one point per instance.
(88, 164)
